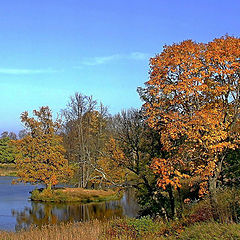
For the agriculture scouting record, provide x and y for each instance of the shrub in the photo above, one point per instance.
(210, 231)
(201, 212)
(132, 228)
(227, 210)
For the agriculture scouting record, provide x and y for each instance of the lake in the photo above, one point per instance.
(18, 212)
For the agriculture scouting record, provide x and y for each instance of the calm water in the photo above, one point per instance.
(17, 212)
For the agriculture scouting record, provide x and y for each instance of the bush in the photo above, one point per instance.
(200, 212)
(131, 228)
(210, 231)
(227, 209)
(143, 225)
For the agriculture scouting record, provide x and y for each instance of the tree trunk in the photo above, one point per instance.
(181, 203)
(172, 203)
(212, 185)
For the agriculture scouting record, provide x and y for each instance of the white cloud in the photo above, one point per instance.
(20, 71)
(105, 59)
(100, 60)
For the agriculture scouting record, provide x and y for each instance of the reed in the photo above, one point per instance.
(72, 231)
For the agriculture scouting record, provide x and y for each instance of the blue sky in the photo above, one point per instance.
(53, 48)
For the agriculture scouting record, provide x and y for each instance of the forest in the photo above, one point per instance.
(179, 151)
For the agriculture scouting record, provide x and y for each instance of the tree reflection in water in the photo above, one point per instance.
(53, 213)
(39, 213)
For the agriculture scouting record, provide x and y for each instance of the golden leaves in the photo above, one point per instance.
(193, 89)
(41, 154)
(168, 172)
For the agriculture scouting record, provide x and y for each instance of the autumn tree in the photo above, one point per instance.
(107, 170)
(133, 146)
(192, 98)
(85, 134)
(40, 157)
(7, 150)
(129, 144)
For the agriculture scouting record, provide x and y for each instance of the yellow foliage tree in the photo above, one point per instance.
(108, 170)
(40, 157)
(193, 99)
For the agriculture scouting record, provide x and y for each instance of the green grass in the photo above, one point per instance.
(74, 195)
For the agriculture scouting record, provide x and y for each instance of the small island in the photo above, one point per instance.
(74, 195)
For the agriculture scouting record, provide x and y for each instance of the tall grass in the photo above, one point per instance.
(73, 231)
(128, 229)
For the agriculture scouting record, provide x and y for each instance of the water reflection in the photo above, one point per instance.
(17, 212)
(39, 214)
(129, 203)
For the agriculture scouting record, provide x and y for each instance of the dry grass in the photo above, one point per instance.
(74, 195)
(8, 169)
(92, 230)
(88, 192)
(72, 231)
(128, 229)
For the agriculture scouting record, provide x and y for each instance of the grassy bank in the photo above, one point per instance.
(128, 229)
(74, 195)
(8, 169)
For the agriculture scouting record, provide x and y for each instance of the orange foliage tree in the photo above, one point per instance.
(40, 157)
(192, 98)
